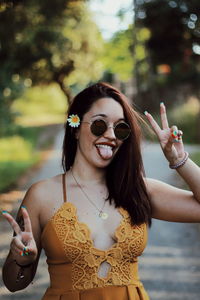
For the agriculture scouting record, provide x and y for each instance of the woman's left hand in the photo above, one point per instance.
(170, 138)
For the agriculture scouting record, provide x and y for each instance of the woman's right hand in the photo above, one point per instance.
(23, 246)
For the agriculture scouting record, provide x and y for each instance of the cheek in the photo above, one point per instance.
(86, 142)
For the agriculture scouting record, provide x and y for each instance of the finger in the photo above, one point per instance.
(178, 143)
(12, 222)
(17, 245)
(153, 123)
(27, 221)
(169, 144)
(163, 116)
(180, 134)
(175, 135)
(19, 248)
(173, 138)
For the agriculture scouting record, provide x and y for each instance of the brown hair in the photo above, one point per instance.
(125, 174)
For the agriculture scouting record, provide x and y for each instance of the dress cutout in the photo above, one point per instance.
(74, 262)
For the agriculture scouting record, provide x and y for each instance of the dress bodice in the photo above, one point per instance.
(85, 259)
(74, 261)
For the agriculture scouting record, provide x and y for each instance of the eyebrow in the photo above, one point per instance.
(101, 115)
(105, 116)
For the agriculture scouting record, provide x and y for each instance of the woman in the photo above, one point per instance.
(92, 220)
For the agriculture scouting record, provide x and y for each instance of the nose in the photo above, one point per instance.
(109, 133)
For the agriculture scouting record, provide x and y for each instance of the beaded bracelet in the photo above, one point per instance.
(181, 163)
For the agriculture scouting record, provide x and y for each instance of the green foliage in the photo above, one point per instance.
(86, 50)
(174, 32)
(11, 171)
(44, 42)
(40, 105)
(186, 118)
(117, 56)
(12, 148)
(196, 157)
(16, 155)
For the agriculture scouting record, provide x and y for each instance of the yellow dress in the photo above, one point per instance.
(73, 261)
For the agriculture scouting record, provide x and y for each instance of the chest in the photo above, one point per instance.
(90, 203)
(102, 231)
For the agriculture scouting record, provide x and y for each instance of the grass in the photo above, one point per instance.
(35, 112)
(20, 150)
(10, 171)
(16, 155)
(196, 157)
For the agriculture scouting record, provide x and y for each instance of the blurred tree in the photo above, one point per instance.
(117, 56)
(43, 42)
(174, 41)
(172, 50)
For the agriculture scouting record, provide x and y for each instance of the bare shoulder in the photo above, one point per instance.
(43, 191)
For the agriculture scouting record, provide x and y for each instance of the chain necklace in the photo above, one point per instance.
(103, 215)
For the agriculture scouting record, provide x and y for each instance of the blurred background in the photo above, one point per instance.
(50, 50)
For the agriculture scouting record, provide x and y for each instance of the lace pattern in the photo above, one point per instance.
(85, 259)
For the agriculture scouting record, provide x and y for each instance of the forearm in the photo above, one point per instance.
(190, 173)
(16, 278)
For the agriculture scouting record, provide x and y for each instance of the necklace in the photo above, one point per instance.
(103, 215)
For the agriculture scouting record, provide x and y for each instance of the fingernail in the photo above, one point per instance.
(23, 206)
(4, 212)
(146, 112)
(22, 253)
(162, 103)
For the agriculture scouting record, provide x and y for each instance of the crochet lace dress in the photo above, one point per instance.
(73, 261)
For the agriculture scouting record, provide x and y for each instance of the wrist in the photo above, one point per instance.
(27, 265)
(23, 261)
(176, 160)
(179, 162)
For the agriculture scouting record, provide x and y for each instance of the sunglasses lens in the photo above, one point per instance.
(122, 131)
(98, 127)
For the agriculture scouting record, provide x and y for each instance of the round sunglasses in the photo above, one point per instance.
(99, 127)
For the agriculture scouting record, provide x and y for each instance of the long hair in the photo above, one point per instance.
(125, 174)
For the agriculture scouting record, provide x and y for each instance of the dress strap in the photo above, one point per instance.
(64, 188)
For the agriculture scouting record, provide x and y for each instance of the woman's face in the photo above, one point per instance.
(99, 151)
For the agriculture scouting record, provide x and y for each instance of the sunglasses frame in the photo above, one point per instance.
(107, 126)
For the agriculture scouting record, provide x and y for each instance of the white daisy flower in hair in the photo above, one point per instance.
(74, 120)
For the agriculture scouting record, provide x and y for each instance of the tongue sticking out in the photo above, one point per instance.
(105, 152)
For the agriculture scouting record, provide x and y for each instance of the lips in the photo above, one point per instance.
(105, 150)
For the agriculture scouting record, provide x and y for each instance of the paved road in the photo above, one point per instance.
(170, 266)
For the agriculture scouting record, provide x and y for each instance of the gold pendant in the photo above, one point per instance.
(103, 215)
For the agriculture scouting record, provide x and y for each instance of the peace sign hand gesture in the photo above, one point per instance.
(23, 246)
(170, 138)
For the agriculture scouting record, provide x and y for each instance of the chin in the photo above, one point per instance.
(103, 163)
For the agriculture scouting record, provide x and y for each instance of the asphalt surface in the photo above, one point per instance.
(170, 265)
